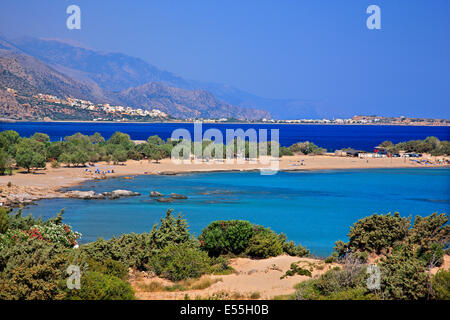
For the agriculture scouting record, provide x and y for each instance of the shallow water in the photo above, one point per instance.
(312, 208)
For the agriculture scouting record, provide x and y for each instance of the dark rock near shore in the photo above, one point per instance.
(177, 196)
(155, 194)
(164, 200)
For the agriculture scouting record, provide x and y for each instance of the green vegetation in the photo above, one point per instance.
(375, 233)
(239, 237)
(441, 285)
(34, 257)
(78, 149)
(427, 238)
(180, 261)
(347, 283)
(295, 269)
(100, 286)
(407, 254)
(35, 254)
(430, 145)
(306, 148)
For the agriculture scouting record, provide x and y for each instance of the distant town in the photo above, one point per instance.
(88, 105)
(72, 109)
(370, 120)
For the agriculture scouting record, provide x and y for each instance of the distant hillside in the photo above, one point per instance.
(33, 66)
(111, 71)
(184, 103)
(118, 72)
(30, 76)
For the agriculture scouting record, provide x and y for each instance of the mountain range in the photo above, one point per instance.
(56, 67)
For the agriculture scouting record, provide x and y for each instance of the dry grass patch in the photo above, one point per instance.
(184, 285)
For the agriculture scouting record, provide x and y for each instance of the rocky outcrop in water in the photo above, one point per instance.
(155, 194)
(91, 195)
(177, 196)
(15, 196)
(86, 195)
(164, 200)
(124, 193)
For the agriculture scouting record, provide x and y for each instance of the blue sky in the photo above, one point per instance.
(314, 50)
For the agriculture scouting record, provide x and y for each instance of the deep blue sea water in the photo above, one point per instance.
(331, 137)
(313, 208)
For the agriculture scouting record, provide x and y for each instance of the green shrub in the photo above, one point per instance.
(264, 244)
(337, 283)
(433, 228)
(132, 250)
(334, 281)
(433, 256)
(404, 276)
(238, 237)
(291, 249)
(220, 266)
(307, 290)
(135, 250)
(109, 267)
(295, 269)
(55, 164)
(362, 256)
(358, 293)
(255, 295)
(222, 237)
(180, 261)
(330, 259)
(286, 152)
(440, 284)
(377, 232)
(306, 148)
(3, 220)
(431, 235)
(31, 269)
(98, 286)
(374, 233)
(171, 230)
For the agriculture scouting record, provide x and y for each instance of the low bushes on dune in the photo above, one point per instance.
(239, 237)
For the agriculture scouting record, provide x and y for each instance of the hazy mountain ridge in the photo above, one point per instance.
(83, 63)
(39, 66)
(182, 102)
(111, 71)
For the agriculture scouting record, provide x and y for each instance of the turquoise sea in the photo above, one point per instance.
(314, 208)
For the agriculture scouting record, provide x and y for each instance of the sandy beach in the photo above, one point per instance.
(47, 183)
(56, 178)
